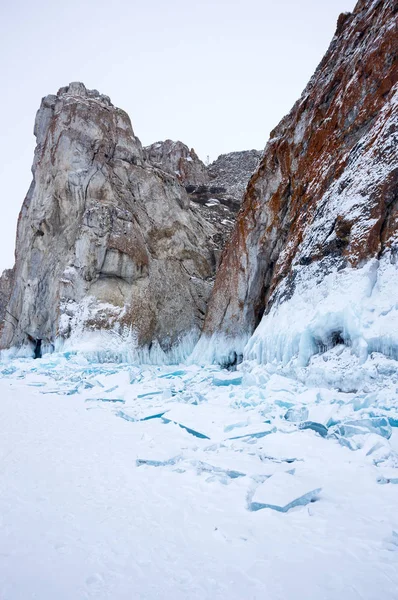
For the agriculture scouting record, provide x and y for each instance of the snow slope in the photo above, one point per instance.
(144, 482)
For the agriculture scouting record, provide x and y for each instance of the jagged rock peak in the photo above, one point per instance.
(217, 189)
(225, 179)
(176, 158)
(77, 88)
(104, 240)
(322, 203)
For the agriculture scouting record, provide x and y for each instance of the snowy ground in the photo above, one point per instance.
(120, 482)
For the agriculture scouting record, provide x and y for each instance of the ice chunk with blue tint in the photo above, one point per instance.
(157, 463)
(149, 394)
(282, 492)
(391, 542)
(388, 475)
(255, 431)
(203, 467)
(226, 378)
(172, 374)
(295, 415)
(112, 389)
(98, 383)
(125, 416)
(393, 420)
(317, 427)
(191, 431)
(239, 424)
(284, 403)
(378, 425)
(364, 401)
(111, 400)
(10, 370)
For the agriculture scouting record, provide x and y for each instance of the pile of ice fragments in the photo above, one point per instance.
(270, 431)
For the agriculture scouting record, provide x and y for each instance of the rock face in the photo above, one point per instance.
(104, 239)
(217, 189)
(6, 283)
(178, 160)
(230, 174)
(225, 179)
(321, 206)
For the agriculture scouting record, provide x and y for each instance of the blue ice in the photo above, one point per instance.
(178, 373)
(113, 400)
(295, 415)
(257, 435)
(303, 501)
(378, 425)
(188, 429)
(227, 378)
(317, 427)
(157, 463)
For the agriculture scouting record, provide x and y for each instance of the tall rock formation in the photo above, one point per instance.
(314, 250)
(6, 284)
(104, 239)
(176, 158)
(225, 179)
(217, 189)
(229, 175)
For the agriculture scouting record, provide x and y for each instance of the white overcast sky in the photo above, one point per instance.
(218, 75)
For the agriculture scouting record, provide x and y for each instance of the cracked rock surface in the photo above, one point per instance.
(104, 239)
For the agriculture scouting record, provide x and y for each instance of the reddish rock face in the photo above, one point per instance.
(326, 190)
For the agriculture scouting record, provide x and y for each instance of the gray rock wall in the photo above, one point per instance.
(104, 239)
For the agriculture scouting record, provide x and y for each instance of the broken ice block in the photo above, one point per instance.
(125, 416)
(257, 430)
(114, 400)
(281, 492)
(317, 427)
(155, 416)
(112, 389)
(203, 467)
(157, 463)
(379, 425)
(227, 378)
(388, 475)
(172, 374)
(148, 394)
(295, 415)
(364, 401)
(391, 542)
(188, 429)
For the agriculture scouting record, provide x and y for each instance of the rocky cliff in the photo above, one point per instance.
(225, 179)
(313, 253)
(230, 173)
(104, 239)
(217, 189)
(6, 284)
(178, 160)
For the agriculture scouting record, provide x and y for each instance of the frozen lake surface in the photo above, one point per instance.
(122, 482)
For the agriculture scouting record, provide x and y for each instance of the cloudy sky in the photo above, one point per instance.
(216, 74)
